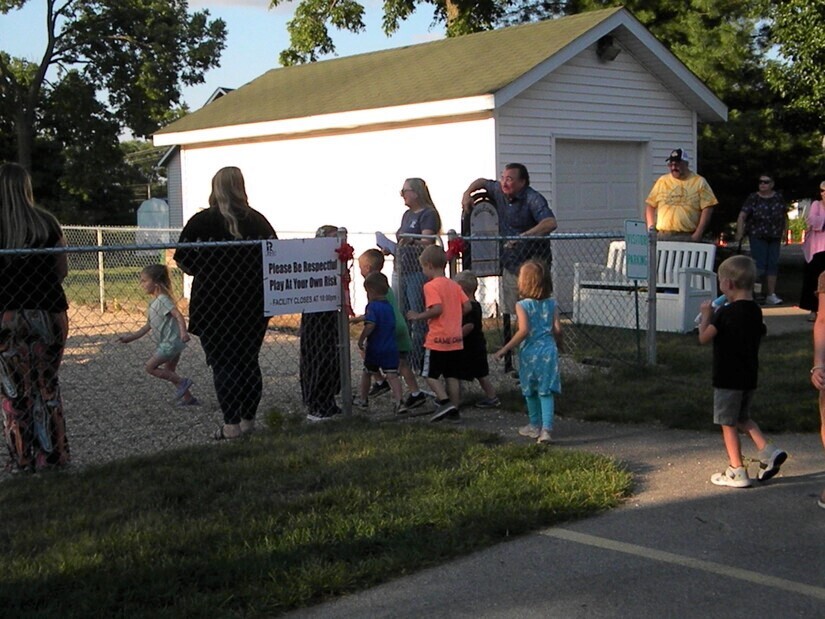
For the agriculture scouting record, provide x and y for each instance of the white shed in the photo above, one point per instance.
(592, 104)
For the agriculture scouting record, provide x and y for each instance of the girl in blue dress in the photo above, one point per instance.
(539, 331)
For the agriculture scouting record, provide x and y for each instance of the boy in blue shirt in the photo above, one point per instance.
(377, 340)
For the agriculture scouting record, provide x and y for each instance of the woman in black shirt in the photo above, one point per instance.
(33, 328)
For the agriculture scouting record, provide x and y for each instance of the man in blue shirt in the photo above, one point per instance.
(522, 211)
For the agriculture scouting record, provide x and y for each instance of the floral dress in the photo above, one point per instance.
(538, 354)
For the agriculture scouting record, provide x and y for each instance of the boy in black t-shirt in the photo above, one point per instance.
(736, 330)
(474, 365)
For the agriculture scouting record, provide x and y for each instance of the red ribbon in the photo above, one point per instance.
(346, 253)
(456, 247)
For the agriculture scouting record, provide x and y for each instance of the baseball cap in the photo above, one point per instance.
(678, 154)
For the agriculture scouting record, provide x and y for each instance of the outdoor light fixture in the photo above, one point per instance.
(606, 49)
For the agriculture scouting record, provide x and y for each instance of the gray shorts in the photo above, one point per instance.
(509, 291)
(731, 406)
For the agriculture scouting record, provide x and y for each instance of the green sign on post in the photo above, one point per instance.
(636, 249)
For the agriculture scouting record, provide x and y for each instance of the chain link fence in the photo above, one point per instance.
(596, 330)
(115, 408)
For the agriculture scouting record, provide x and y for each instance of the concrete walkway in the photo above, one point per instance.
(679, 547)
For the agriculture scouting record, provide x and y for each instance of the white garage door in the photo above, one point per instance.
(597, 184)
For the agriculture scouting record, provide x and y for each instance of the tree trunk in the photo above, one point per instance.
(24, 127)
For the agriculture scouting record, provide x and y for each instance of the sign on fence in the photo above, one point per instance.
(636, 248)
(301, 275)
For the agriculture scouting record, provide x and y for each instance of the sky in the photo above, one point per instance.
(255, 37)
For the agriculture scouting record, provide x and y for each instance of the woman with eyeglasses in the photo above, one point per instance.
(814, 251)
(763, 218)
(420, 218)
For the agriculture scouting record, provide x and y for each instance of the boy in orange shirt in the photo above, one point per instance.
(445, 304)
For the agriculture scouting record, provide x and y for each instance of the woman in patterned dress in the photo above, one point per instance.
(33, 328)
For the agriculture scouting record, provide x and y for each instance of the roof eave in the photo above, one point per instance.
(325, 122)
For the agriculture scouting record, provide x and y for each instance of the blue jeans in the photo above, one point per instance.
(765, 253)
(409, 289)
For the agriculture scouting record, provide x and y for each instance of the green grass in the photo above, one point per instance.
(82, 287)
(677, 392)
(281, 520)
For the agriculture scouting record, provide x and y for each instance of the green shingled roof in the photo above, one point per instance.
(453, 68)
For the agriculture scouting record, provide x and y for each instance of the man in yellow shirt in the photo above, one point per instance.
(681, 202)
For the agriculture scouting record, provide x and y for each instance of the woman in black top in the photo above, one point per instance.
(33, 328)
(226, 309)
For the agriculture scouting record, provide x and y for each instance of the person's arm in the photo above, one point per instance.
(62, 260)
(704, 222)
(543, 228)
(369, 327)
(356, 319)
(433, 311)
(816, 217)
(430, 223)
(184, 334)
(131, 337)
(186, 257)
(557, 334)
(740, 225)
(818, 368)
(467, 329)
(706, 330)
(467, 198)
(650, 216)
(520, 335)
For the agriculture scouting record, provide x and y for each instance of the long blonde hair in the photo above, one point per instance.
(424, 199)
(229, 196)
(22, 224)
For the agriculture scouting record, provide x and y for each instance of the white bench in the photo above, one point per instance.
(604, 296)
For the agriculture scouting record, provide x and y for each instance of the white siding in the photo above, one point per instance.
(174, 197)
(589, 99)
(352, 179)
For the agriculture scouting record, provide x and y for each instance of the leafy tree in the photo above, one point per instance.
(309, 36)
(139, 52)
(797, 28)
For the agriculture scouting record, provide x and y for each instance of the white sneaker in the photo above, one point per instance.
(732, 477)
(530, 431)
(545, 437)
(772, 299)
(770, 461)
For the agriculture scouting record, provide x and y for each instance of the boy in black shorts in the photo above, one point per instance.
(736, 330)
(445, 304)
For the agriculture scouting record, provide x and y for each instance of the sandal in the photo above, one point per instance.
(221, 435)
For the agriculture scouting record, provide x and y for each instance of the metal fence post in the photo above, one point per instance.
(651, 296)
(343, 330)
(100, 279)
